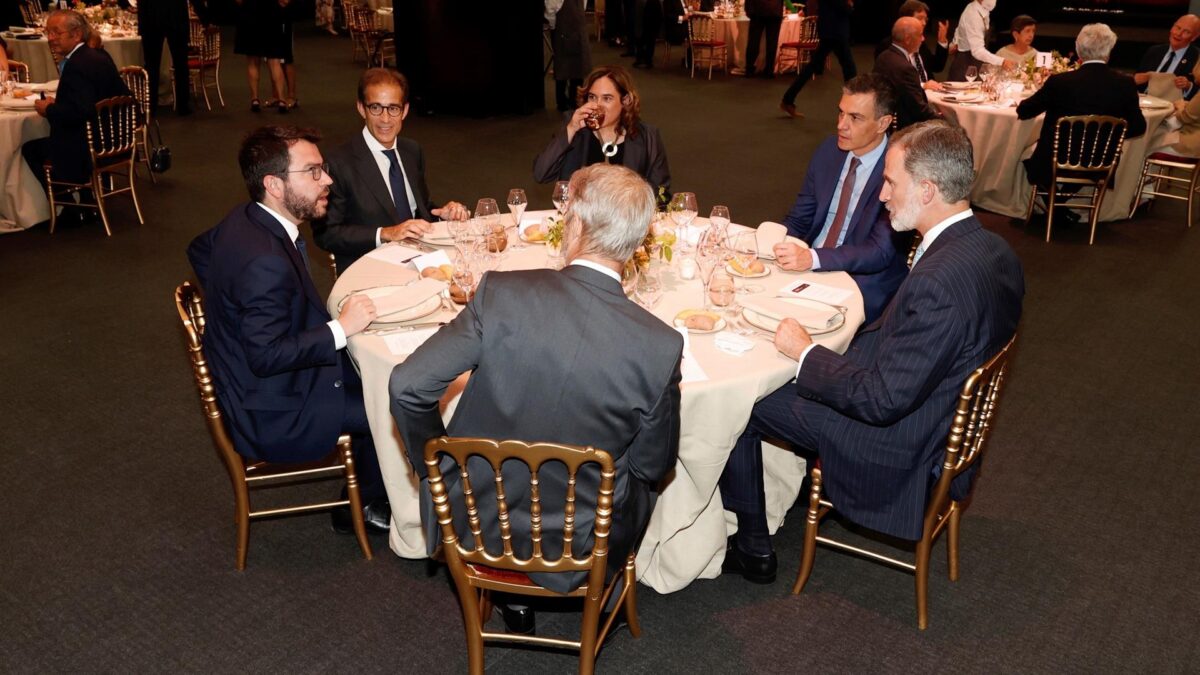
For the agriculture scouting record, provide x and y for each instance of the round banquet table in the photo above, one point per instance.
(685, 539)
(1001, 141)
(736, 34)
(125, 51)
(22, 202)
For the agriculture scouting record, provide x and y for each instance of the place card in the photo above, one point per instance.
(402, 344)
(435, 259)
(396, 254)
(1043, 60)
(805, 288)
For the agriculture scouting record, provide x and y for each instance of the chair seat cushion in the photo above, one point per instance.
(708, 43)
(799, 45)
(500, 575)
(196, 63)
(1172, 157)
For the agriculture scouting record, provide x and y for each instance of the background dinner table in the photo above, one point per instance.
(685, 539)
(1001, 141)
(735, 32)
(23, 203)
(125, 50)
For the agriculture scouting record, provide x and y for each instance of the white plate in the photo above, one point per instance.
(730, 268)
(18, 103)
(718, 327)
(424, 308)
(770, 325)
(964, 98)
(959, 86)
(527, 240)
(1150, 104)
(50, 86)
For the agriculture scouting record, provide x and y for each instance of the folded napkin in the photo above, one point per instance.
(1162, 85)
(396, 254)
(810, 315)
(768, 234)
(52, 85)
(732, 343)
(394, 299)
(401, 344)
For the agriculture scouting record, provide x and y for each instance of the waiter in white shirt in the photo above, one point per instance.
(970, 37)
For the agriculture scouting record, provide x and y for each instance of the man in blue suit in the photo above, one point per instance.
(284, 383)
(838, 212)
(878, 416)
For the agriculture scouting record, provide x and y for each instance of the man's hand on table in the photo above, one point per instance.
(413, 229)
(791, 339)
(792, 256)
(42, 103)
(933, 85)
(357, 314)
(452, 211)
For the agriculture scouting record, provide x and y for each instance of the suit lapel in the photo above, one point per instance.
(368, 172)
(825, 197)
(267, 222)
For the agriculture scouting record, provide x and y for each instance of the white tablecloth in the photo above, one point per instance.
(23, 202)
(1001, 141)
(125, 51)
(685, 539)
(736, 34)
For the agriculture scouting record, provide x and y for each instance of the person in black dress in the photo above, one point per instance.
(263, 33)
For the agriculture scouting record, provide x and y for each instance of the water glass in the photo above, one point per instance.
(719, 220)
(561, 195)
(649, 288)
(516, 206)
(683, 211)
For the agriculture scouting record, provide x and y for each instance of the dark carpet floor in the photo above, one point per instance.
(117, 549)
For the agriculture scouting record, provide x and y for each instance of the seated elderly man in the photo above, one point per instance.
(929, 62)
(1177, 57)
(88, 76)
(877, 417)
(1092, 89)
(901, 65)
(562, 357)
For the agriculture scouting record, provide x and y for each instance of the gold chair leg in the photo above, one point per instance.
(137, 207)
(474, 628)
(955, 517)
(1097, 201)
(1050, 209)
(53, 205)
(98, 193)
(811, 525)
(631, 615)
(1032, 201)
(1141, 188)
(922, 579)
(356, 505)
(204, 89)
(1192, 194)
(588, 642)
(217, 81)
(485, 605)
(241, 516)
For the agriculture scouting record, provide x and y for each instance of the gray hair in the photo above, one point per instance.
(610, 209)
(1095, 42)
(74, 22)
(940, 153)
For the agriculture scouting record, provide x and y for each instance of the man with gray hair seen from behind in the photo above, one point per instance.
(878, 416)
(1092, 89)
(558, 356)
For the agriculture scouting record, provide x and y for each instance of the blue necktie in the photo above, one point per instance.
(303, 249)
(399, 195)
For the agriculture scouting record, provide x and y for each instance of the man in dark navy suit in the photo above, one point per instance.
(900, 63)
(87, 76)
(1178, 56)
(285, 385)
(838, 213)
(878, 416)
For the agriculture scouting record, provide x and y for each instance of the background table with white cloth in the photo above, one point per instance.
(125, 51)
(685, 539)
(23, 203)
(1001, 141)
(736, 34)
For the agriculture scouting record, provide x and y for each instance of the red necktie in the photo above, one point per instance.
(839, 218)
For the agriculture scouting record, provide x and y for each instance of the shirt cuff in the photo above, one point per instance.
(800, 361)
(378, 237)
(339, 334)
(816, 264)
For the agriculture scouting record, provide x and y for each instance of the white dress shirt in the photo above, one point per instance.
(971, 34)
(598, 267)
(339, 334)
(866, 164)
(385, 167)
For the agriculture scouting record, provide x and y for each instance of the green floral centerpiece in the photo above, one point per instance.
(1034, 76)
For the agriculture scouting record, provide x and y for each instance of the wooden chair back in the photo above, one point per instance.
(18, 71)
(1088, 144)
(112, 132)
(138, 81)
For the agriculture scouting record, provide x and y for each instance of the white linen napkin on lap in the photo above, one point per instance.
(732, 343)
(815, 317)
(397, 298)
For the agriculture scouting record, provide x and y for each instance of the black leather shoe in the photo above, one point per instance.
(757, 569)
(520, 620)
(377, 516)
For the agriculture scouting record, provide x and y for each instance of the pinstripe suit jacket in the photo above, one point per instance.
(884, 408)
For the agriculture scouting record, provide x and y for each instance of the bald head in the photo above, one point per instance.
(907, 32)
(1184, 31)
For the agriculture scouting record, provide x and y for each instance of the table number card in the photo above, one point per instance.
(1043, 60)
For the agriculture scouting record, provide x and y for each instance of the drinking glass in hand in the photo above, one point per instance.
(683, 211)
(560, 196)
(516, 206)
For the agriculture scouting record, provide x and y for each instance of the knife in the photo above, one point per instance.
(403, 329)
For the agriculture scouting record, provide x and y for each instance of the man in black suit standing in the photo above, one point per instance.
(833, 29)
(877, 417)
(1092, 89)
(160, 20)
(379, 192)
(766, 16)
(1178, 56)
(87, 76)
(593, 369)
(901, 65)
(284, 382)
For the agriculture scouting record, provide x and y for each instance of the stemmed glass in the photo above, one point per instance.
(464, 275)
(460, 231)
(487, 219)
(722, 290)
(649, 288)
(719, 220)
(560, 196)
(516, 206)
(629, 279)
(708, 257)
(745, 251)
(972, 73)
(683, 211)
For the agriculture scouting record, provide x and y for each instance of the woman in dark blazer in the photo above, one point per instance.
(618, 138)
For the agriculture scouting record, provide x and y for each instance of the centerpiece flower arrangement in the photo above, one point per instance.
(1031, 74)
(659, 237)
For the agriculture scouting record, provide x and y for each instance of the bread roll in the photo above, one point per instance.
(435, 273)
(534, 233)
(700, 322)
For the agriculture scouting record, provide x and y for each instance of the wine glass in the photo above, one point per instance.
(972, 73)
(683, 211)
(629, 279)
(745, 252)
(516, 206)
(464, 275)
(708, 257)
(721, 291)
(719, 219)
(649, 288)
(561, 196)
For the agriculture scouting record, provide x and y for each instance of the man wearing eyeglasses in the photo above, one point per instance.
(284, 382)
(378, 193)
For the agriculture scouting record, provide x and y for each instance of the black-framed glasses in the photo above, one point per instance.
(376, 109)
(314, 171)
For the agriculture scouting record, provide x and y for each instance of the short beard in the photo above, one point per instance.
(905, 218)
(301, 209)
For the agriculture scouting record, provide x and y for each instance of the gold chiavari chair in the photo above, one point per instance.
(912, 249)
(204, 60)
(365, 34)
(964, 446)
(1086, 151)
(333, 266)
(705, 47)
(111, 138)
(19, 71)
(30, 12)
(796, 54)
(338, 466)
(1160, 167)
(138, 81)
(477, 572)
